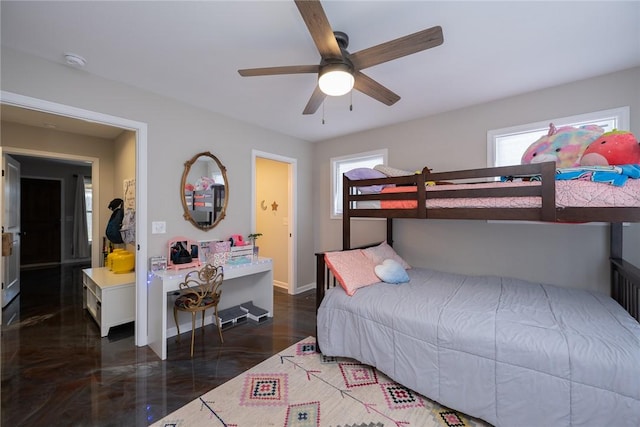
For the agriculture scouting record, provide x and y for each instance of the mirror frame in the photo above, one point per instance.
(187, 168)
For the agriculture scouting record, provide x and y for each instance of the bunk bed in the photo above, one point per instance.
(508, 351)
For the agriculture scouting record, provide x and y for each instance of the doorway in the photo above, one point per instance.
(140, 130)
(274, 214)
(40, 221)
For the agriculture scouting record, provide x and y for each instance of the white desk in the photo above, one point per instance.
(242, 283)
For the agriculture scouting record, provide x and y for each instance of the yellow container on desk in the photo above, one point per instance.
(123, 262)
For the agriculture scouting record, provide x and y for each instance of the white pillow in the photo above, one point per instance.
(389, 171)
(383, 251)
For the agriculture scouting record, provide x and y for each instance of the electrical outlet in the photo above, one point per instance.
(158, 227)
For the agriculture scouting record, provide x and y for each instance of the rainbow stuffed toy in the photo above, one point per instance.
(564, 145)
(612, 148)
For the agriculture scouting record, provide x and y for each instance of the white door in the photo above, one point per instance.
(11, 224)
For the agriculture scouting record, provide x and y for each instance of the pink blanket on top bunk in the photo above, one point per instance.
(573, 193)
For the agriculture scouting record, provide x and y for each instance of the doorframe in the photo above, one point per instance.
(293, 209)
(140, 129)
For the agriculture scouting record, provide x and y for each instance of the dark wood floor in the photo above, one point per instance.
(56, 370)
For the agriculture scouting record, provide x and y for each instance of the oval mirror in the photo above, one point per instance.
(204, 190)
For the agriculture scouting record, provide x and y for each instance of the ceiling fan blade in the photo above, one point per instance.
(319, 28)
(398, 48)
(270, 71)
(368, 86)
(314, 102)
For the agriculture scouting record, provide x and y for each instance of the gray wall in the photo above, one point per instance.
(176, 132)
(568, 255)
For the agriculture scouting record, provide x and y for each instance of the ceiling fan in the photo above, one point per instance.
(338, 65)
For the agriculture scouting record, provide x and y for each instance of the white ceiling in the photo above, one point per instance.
(191, 51)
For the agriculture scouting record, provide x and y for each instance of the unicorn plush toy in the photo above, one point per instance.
(564, 145)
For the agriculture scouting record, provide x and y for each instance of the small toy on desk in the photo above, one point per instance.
(237, 240)
(158, 263)
(612, 148)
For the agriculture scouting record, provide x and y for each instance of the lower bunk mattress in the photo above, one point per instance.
(510, 352)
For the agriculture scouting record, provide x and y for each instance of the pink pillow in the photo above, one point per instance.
(352, 269)
(383, 251)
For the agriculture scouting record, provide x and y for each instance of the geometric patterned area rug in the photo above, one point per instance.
(301, 388)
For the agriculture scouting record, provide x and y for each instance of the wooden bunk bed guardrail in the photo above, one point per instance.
(546, 191)
(547, 212)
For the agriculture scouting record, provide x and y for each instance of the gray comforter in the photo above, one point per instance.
(511, 352)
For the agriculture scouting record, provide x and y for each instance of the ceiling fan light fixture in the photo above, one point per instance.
(336, 79)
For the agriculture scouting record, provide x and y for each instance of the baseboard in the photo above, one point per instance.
(281, 285)
(305, 288)
(285, 287)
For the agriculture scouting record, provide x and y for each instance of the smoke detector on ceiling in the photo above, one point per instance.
(74, 60)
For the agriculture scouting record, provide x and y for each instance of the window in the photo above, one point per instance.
(88, 197)
(340, 165)
(506, 146)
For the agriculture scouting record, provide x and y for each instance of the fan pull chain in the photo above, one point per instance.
(322, 112)
(351, 100)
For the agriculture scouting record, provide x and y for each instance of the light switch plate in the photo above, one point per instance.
(158, 227)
